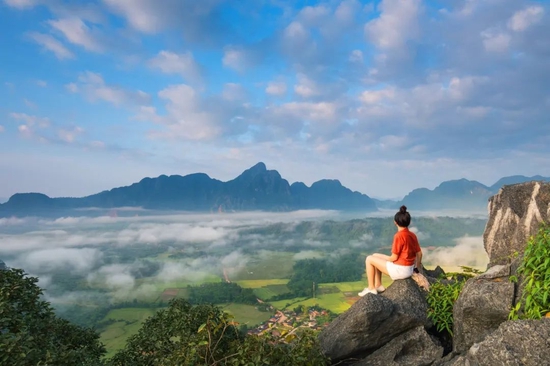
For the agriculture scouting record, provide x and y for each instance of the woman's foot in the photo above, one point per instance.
(380, 289)
(366, 290)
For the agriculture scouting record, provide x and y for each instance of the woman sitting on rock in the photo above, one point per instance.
(406, 255)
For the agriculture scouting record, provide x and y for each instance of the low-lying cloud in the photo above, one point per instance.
(469, 251)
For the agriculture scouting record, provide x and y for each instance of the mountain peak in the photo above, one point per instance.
(260, 167)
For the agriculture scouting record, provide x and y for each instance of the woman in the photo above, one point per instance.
(406, 255)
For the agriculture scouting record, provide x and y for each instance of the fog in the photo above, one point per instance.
(468, 251)
(81, 259)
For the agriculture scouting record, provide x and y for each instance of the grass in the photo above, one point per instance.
(337, 302)
(129, 320)
(269, 291)
(266, 266)
(246, 314)
(261, 283)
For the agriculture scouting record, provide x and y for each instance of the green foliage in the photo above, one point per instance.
(221, 293)
(187, 335)
(308, 273)
(535, 271)
(442, 296)
(31, 334)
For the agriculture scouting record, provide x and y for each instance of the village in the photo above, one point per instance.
(289, 321)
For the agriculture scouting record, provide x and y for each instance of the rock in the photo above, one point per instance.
(413, 348)
(519, 342)
(514, 215)
(374, 320)
(483, 304)
(435, 273)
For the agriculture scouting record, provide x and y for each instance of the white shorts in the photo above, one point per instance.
(398, 272)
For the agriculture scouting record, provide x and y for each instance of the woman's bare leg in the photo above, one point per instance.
(375, 264)
(383, 256)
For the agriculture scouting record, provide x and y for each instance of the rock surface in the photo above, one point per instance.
(483, 304)
(414, 348)
(514, 215)
(514, 343)
(374, 320)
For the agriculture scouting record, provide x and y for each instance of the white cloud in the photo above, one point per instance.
(95, 88)
(30, 120)
(495, 41)
(186, 118)
(174, 63)
(469, 251)
(51, 44)
(397, 24)
(21, 4)
(377, 96)
(356, 56)
(69, 135)
(233, 92)
(523, 19)
(77, 32)
(276, 88)
(235, 59)
(80, 260)
(2, 128)
(42, 83)
(306, 87)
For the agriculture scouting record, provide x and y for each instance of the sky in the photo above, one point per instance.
(385, 96)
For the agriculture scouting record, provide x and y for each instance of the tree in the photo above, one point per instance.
(31, 334)
(187, 335)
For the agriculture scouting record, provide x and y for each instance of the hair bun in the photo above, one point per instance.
(403, 209)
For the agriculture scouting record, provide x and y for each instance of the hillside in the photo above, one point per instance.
(255, 189)
(461, 194)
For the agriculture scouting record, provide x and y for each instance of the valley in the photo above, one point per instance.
(112, 273)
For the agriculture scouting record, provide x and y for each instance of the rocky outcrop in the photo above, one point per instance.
(483, 304)
(390, 329)
(413, 348)
(514, 343)
(374, 320)
(515, 214)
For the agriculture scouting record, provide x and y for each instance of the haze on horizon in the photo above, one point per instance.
(385, 96)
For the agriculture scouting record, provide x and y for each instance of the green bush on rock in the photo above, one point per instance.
(535, 271)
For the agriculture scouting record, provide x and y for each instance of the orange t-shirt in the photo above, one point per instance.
(405, 246)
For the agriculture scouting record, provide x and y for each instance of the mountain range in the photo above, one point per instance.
(255, 189)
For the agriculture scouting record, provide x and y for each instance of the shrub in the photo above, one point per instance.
(442, 297)
(535, 271)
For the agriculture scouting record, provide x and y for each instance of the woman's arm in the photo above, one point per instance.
(418, 262)
(393, 257)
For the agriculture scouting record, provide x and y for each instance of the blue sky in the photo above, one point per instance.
(385, 96)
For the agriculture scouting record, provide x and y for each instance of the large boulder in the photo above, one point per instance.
(413, 348)
(514, 215)
(374, 320)
(514, 343)
(483, 304)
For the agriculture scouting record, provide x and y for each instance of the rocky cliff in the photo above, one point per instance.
(392, 328)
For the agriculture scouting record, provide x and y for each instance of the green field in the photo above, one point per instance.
(261, 283)
(266, 266)
(246, 314)
(128, 322)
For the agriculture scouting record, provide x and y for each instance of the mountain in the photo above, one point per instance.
(461, 194)
(515, 179)
(255, 189)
